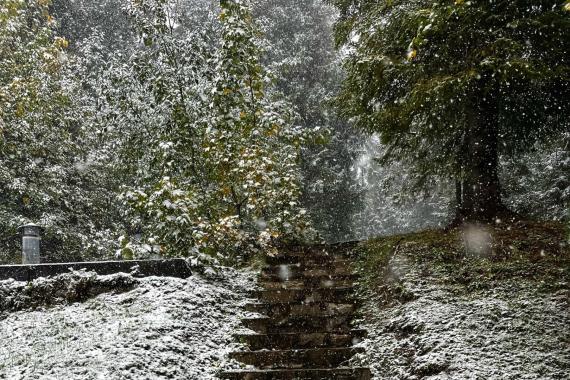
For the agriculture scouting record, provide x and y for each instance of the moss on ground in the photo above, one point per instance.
(469, 258)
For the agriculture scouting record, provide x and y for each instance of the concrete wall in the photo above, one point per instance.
(172, 268)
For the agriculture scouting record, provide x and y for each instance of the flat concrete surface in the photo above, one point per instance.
(165, 268)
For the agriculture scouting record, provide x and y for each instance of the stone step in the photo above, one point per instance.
(321, 309)
(308, 277)
(294, 359)
(337, 249)
(302, 257)
(265, 325)
(300, 374)
(301, 340)
(307, 301)
(329, 265)
(322, 282)
(335, 295)
(295, 271)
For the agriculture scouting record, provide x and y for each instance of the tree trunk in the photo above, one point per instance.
(479, 192)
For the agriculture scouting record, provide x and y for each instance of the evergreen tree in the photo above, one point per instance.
(392, 205)
(537, 183)
(450, 86)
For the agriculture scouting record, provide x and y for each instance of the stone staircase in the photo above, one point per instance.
(305, 332)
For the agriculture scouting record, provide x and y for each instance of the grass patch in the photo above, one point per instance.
(372, 264)
(469, 258)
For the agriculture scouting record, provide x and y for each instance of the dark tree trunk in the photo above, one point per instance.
(479, 192)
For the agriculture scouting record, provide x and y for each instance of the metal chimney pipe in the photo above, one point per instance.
(30, 243)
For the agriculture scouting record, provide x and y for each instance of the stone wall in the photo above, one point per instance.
(171, 268)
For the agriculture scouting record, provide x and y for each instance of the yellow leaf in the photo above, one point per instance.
(20, 110)
(61, 42)
(412, 53)
(222, 15)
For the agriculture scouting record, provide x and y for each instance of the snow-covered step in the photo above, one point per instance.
(304, 358)
(356, 373)
(284, 273)
(299, 271)
(340, 295)
(307, 303)
(285, 309)
(302, 340)
(265, 325)
(300, 257)
(332, 264)
(323, 282)
(319, 250)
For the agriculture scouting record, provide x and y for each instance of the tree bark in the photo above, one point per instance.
(479, 192)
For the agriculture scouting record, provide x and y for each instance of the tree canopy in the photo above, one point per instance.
(450, 86)
(40, 141)
(140, 127)
(214, 156)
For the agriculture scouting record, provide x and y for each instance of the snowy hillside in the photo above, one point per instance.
(472, 304)
(162, 328)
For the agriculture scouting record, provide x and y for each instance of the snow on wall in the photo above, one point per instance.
(164, 328)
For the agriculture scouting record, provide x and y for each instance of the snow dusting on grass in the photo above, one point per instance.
(164, 328)
(434, 312)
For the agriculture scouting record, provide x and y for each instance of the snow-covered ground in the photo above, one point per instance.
(515, 329)
(163, 328)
